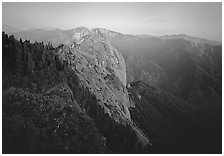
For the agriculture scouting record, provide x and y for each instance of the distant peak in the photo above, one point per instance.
(49, 28)
(81, 28)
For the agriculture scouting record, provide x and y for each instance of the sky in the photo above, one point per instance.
(200, 19)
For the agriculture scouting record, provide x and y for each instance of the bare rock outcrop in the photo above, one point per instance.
(101, 72)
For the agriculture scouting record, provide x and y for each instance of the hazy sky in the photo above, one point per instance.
(195, 19)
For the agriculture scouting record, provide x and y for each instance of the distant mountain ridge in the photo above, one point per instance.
(65, 36)
(9, 29)
(195, 40)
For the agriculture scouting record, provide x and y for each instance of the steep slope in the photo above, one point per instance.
(101, 69)
(188, 68)
(174, 125)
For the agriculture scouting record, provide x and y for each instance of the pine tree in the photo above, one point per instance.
(19, 63)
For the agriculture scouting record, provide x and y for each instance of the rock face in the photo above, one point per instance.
(102, 69)
(75, 35)
(95, 44)
(101, 72)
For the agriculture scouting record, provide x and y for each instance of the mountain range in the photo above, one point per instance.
(138, 93)
(155, 60)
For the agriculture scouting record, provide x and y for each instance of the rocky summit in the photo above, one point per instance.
(101, 69)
